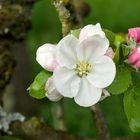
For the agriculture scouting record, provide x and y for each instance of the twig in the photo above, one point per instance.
(102, 130)
(64, 16)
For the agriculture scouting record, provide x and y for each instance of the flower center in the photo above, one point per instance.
(83, 68)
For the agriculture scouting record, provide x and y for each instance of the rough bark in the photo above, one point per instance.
(71, 13)
(14, 21)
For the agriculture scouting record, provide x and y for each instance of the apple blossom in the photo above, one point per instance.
(82, 66)
(134, 33)
(51, 91)
(134, 57)
(83, 69)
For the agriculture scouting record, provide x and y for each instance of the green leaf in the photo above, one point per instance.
(122, 81)
(132, 105)
(76, 32)
(110, 35)
(37, 88)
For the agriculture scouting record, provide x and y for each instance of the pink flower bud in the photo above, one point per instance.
(51, 92)
(110, 53)
(46, 56)
(134, 33)
(134, 57)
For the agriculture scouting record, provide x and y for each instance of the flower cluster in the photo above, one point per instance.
(82, 66)
(134, 38)
(90, 64)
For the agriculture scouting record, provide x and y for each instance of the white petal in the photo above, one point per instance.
(88, 95)
(46, 56)
(105, 94)
(103, 72)
(66, 51)
(92, 48)
(66, 82)
(51, 91)
(91, 30)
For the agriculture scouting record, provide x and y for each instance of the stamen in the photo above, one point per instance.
(83, 68)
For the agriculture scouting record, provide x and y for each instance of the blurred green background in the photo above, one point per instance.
(118, 16)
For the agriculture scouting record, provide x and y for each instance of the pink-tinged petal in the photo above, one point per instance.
(84, 32)
(92, 48)
(134, 33)
(51, 91)
(88, 95)
(110, 53)
(66, 82)
(103, 72)
(134, 57)
(66, 51)
(91, 30)
(46, 57)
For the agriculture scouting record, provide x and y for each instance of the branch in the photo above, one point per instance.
(71, 13)
(7, 66)
(64, 16)
(14, 21)
(35, 129)
(102, 130)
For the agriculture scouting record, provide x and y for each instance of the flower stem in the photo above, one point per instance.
(102, 130)
(58, 115)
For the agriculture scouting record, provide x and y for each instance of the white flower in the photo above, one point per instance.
(45, 56)
(83, 70)
(51, 92)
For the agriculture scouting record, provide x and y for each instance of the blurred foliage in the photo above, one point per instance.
(117, 16)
